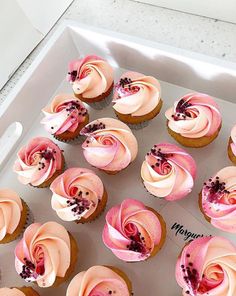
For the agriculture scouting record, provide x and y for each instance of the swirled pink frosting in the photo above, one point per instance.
(132, 231)
(90, 76)
(136, 94)
(38, 161)
(99, 281)
(76, 194)
(10, 211)
(219, 199)
(43, 254)
(233, 138)
(110, 144)
(65, 113)
(193, 116)
(207, 267)
(168, 171)
(11, 292)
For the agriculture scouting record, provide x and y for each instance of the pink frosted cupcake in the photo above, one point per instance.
(168, 172)
(65, 117)
(110, 145)
(92, 79)
(207, 267)
(22, 291)
(46, 255)
(194, 121)
(100, 280)
(137, 98)
(39, 162)
(78, 195)
(134, 232)
(232, 145)
(218, 199)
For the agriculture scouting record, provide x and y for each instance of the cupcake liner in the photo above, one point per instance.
(75, 141)
(101, 104)
(138, 125)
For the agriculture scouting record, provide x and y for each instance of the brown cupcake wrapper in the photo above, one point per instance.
(231, 155)
(75, 141)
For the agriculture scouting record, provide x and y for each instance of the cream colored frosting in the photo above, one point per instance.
(195, 115)
(76, 194)
(99, 281)
(233, 137)
(11, 292)
(136, 94)
(43, 254)
(93, 76)
(110, 144)
(10, 212)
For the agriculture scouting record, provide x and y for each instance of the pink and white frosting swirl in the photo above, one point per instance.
(219, 199)
(65, 113)
(76, 194)
(132, 231)
(38, 161)
(90, 76)
(43, 254)
(10, 211)
(97, 281)
(136, 94)
(195, 115)
(168, 171)
(110, 145)
(233, 138)
(11, 292)
(207, 267)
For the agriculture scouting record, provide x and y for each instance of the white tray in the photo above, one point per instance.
(178, 71)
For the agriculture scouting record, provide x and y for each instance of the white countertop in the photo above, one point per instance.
(194, 33)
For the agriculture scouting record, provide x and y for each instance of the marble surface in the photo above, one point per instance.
(194, 33)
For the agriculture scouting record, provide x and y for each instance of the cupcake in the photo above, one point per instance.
(110, 145)
(13, 215)
(217, 199)
(100, 280)
(232, 145)
(46, 255)
(39, 162)
(65, 117)
(168, 172)
(207, 267)
(78, 195)
(24, 291)
(134, 232)
(194, 121)
(137, 98)
(92, 79)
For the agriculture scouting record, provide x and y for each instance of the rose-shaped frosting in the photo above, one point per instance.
(136, 94)
(168, 171)
(65, 113)
(219, 199)
(132, 231)
(10, 212)
(97, 280)
(38, 161)
(43, 254)
(110, 145)
(233, 138)
(193, 116)
(207, 267)
(76, 194)
(11, 292)
(90, 76)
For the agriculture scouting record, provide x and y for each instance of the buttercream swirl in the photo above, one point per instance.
(10, 211)
(194, 116)
(65, 113)
(207, 267)
(110, 145)
(132, 231)
(11, 292)
(168, 171)
(136, 94)
(90, 76)
(219, 199)
(38, 161)
(76, 194)
(233, 138)
(97, 280)
(43, 254)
